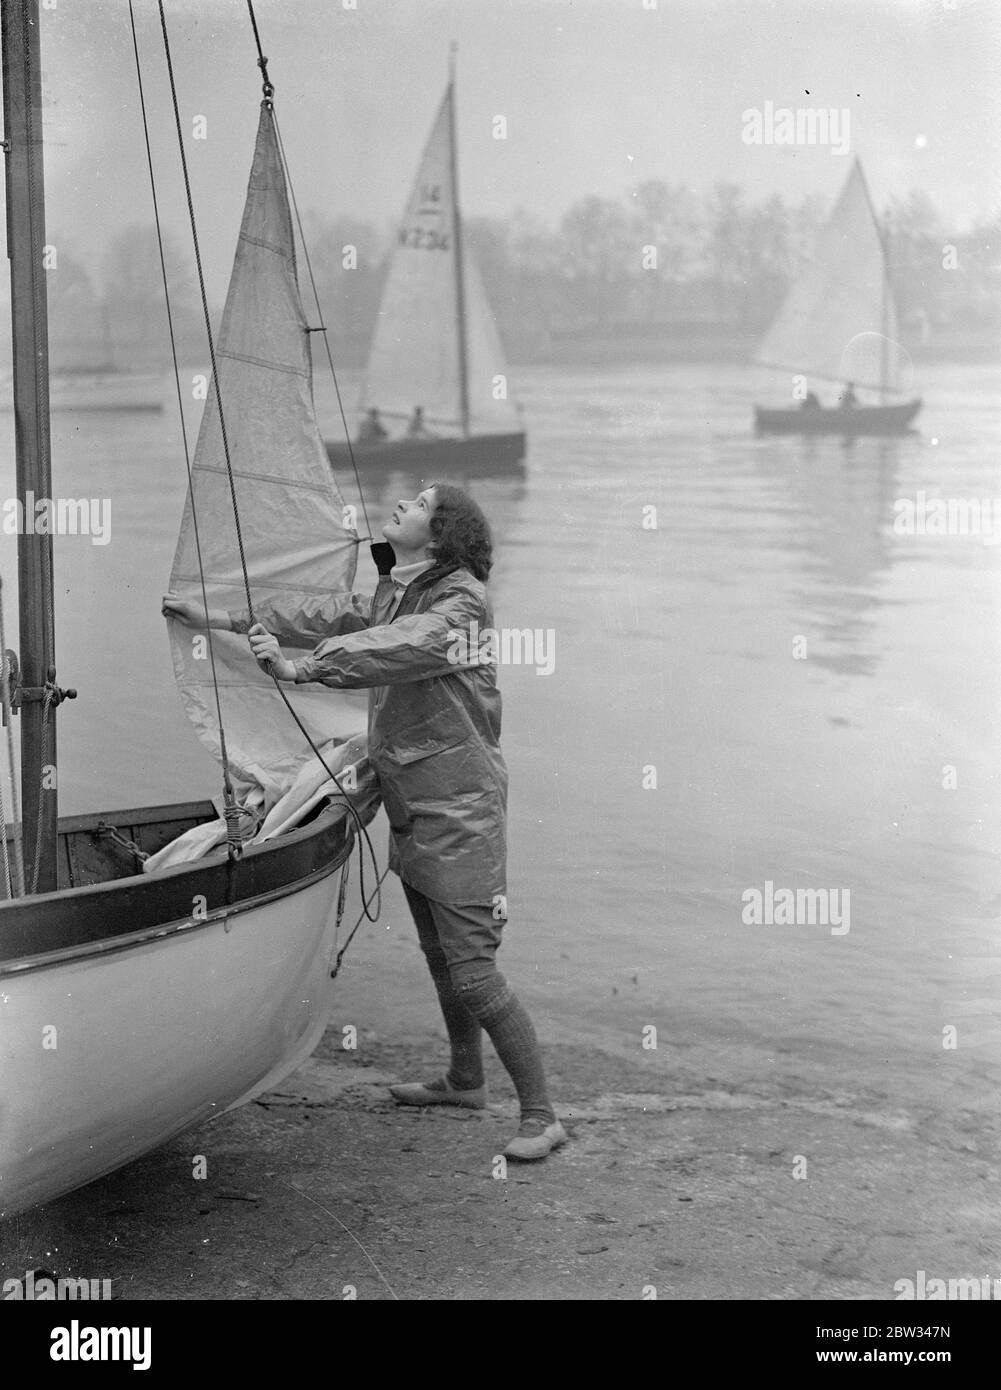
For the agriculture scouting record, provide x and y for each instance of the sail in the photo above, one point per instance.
(415, 357)
(491, 411)
(291, 512)
(415, 351)
(838, 321)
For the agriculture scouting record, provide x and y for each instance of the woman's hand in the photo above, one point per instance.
(268, 655)
(193, 614)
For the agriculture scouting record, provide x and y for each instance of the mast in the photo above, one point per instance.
(22, 107)
(884, 292)
(460, 283)
(884, 314)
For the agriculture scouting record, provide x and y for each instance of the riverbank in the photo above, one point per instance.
(675, 1184)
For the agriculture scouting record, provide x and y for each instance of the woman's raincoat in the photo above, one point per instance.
(434, 720)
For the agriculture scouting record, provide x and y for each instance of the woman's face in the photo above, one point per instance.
(409, 528)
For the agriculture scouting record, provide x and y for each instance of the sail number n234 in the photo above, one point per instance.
(426, 238)
(420, 240)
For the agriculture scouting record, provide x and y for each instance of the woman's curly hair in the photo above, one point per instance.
(460, 533)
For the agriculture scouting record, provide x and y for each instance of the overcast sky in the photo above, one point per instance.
(598, 95)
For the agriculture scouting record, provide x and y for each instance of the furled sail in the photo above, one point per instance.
(838, 321)
(292, 515)
(415, 357)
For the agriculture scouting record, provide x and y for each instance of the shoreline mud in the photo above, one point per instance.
(673, 1186)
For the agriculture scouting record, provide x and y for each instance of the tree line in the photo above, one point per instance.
(663, 259)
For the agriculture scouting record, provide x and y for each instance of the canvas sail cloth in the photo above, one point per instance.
(838, 322)
(291, 512)
(415, 356)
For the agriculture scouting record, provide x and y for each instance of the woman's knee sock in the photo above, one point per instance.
(465, 1037)
(501, 1014)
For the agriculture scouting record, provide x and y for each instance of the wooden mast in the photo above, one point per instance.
(884, 342)
(884, 299)
(460, 282)
(22, 106)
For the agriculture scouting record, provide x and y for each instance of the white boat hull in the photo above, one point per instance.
(107, 1055)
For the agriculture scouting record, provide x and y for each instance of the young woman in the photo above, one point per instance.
(434, 726)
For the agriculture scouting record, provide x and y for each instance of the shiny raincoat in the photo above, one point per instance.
(434, 719)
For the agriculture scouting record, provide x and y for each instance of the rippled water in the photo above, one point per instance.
(675, 649)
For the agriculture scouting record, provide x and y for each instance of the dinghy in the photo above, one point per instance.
(436, 347)
(143, 990)
(838, 324)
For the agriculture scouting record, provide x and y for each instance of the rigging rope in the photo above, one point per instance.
(323, 327)
(227, 781)
(36, 859)
(205, 311)
(15, 809)
(363, 914)
(232, 810)
(269, 92)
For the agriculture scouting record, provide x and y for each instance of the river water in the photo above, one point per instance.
(815, 695)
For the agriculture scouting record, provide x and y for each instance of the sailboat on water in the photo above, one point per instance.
(143, 990)
(436, 348)
(838, 324)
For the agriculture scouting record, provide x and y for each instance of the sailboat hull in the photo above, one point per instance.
(173, 998)
(863, 419)
(482, 453)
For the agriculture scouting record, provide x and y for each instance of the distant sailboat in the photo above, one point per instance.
(436, 346)
(839, 324)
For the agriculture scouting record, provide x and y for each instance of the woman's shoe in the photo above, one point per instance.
(438, 1093)
(535, 1139)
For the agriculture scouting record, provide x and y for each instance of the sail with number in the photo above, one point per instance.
(838, 322)
(436, 344)
(292, 515)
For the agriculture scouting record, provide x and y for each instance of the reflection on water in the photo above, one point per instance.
(674, 651)
(839, 495)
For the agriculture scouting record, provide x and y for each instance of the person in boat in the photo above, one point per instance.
(433, 741)
(416, 428)
(849, 400)
(810, 402)
(372, 428)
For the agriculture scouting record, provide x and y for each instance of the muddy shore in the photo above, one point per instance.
(675, 1184)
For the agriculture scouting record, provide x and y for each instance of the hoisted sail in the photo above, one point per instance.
(416, 351)
(291, 512)
(490, 409)
(838, 321)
